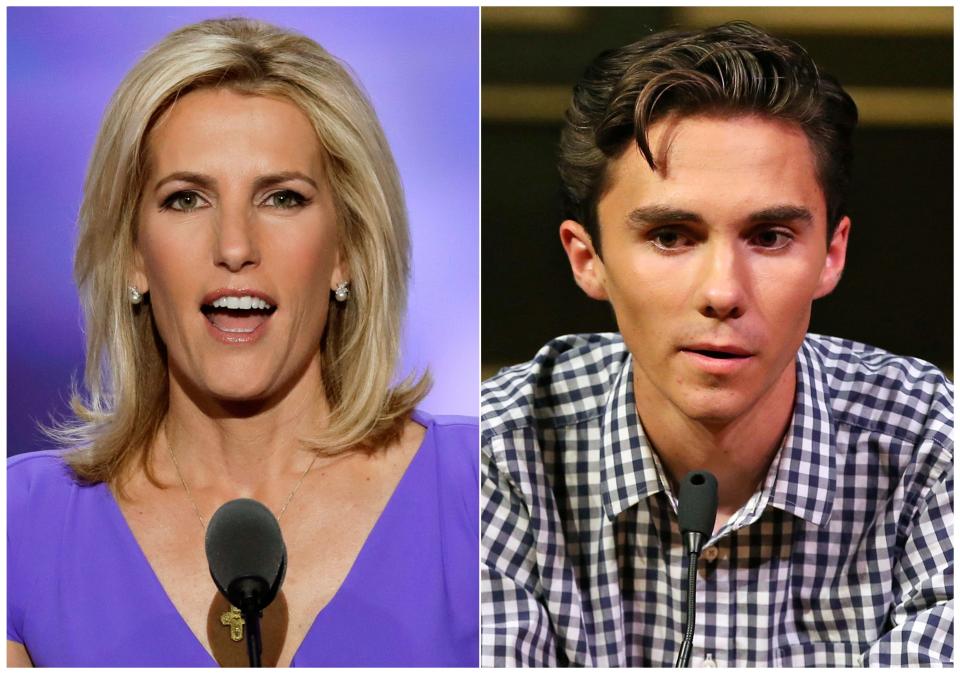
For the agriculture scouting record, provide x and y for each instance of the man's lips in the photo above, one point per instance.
(716, 359)
(719, 351)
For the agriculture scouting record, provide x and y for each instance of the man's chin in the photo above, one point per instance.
(714, 408)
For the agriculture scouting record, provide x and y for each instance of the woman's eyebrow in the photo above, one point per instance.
(200, 179)
(283, 176)
(206, 181)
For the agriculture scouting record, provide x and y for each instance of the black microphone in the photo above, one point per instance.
(248, 561)
(697, 513)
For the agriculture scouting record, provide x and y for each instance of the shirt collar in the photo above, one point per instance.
(804, 482)
(628, 467)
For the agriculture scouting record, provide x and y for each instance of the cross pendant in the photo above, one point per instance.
(234, 619)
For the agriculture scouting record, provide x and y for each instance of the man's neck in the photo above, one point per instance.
(737, 451)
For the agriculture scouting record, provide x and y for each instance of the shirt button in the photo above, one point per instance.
(709, 661)
(710, 554)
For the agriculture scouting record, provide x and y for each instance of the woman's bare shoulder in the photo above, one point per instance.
(17, 655)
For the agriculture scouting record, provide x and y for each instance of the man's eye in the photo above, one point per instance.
(772, 239)
(668, 239)
(183, 201)
(285, 199)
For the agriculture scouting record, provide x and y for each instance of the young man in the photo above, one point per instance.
(705, 177)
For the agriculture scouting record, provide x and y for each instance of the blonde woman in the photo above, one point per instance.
(242, 262)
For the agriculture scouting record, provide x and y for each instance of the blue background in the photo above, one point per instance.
(418, 65)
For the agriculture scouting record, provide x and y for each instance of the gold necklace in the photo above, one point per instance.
(232, 618)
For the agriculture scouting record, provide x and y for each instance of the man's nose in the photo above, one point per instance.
(236, 241)
(723, 282)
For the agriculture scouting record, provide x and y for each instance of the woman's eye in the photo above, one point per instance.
(183, 201)
(772, 239)
(285, 199)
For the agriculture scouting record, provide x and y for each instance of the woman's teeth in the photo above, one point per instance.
(245, 302)
(238, 314)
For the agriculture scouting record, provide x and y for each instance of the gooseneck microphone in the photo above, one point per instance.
(248, 561)
(697, 513)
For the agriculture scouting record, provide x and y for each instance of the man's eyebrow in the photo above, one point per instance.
(785, 213)
(661, 215)
(658, 214)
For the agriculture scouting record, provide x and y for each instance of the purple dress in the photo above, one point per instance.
(81, 593)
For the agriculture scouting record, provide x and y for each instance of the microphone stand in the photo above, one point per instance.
(254, 644)
(686, 647)
(697, 513)
(249, 608)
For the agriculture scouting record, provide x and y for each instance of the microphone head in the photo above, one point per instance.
(697, 503)
(246, 553)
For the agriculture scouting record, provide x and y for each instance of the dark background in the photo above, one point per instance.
(897, 63)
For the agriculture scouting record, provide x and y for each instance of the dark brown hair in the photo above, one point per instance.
(731, 69)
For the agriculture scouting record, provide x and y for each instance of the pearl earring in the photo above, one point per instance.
(136, 297)
(342, 292)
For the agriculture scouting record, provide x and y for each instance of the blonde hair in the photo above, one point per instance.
(126, 370)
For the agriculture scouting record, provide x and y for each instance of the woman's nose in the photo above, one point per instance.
(236, 243)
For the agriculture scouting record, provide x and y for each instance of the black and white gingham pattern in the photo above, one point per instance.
(842, 557)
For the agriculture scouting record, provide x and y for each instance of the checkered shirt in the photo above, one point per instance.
(843, 555)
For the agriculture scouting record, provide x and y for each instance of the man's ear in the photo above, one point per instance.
(588, 269)
(836, 259)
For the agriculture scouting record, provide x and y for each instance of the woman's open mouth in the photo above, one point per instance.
(237, 318)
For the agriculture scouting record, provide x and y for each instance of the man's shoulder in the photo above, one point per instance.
(566, 382)
(873, 389)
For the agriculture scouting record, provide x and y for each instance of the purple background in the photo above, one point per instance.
(420, 68)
